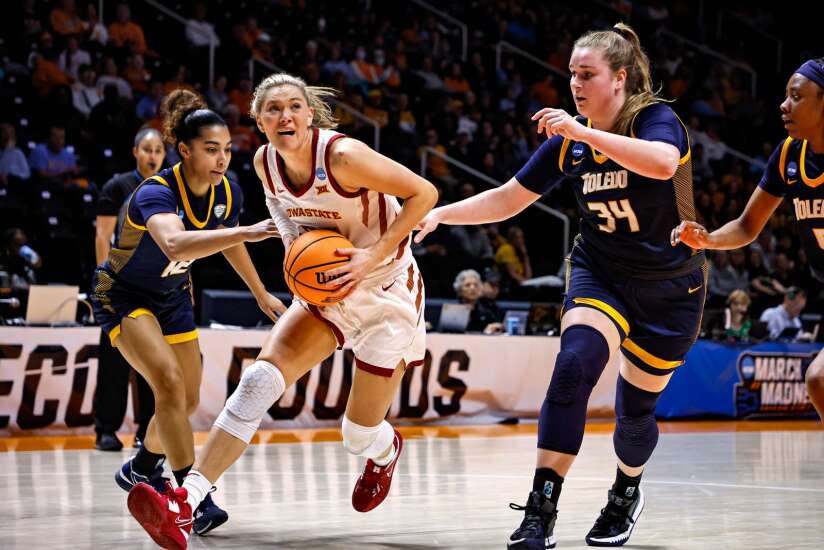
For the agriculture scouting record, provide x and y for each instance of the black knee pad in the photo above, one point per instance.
(583, 356)
(636, 431)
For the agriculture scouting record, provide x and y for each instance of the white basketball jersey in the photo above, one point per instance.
(321, 203)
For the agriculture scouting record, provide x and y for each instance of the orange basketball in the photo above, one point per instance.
(308, 257)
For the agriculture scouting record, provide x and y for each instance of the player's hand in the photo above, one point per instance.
(260, 231)
(271, 306)
(557, 122)
(692, 234)
(428, 224)
(344, 278)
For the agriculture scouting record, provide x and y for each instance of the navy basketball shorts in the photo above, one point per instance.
(658, 320)
(113, 301)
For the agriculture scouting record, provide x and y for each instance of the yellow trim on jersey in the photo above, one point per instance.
(158, 179)
(228, 190)
(181, 337)
(814, 182)
(128, 219)
(783, 158)
(189, 214)
(115, 332)
(564, 148)
(683, 160)
(596, 156)
(606, 308)
(649, 358)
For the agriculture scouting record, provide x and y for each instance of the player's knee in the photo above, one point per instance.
(168, 385)
(366, 441)
(192, 401)
(583, 356)
(815, 377)
(260, 386)
(635, 438)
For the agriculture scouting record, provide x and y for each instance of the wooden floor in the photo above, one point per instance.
(754, 485)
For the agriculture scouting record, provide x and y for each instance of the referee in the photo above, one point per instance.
(110, 394)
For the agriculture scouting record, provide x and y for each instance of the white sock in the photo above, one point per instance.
(387, 457)
(197, 486)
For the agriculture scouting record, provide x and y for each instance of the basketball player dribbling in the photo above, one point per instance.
(317, 178)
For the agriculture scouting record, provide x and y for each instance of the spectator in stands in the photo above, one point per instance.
(513, 258)
(783, 321)
(178, 81)
(73, 58)
(125, 33)
(110, 77)
(147, 107)
(737, 322)
(244, 138)
(47, 74)
(65, 21)
(136, 74)
(52, 161)
(436, 166)
(113, 371)
(241, 97)
(217, 96)
(456, 83)
(85, 93)
(13, 164)
(98, 34)
(111, 124)
(431, 80)
(784, 270)
(485, 316)
(199, 32)
(336, 64)
(18, 259)
(471, 240)
(724, 277)
(375, 110)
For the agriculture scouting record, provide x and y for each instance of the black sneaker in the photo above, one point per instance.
(107, 442)
(208, 516)
(617, 520)
(536, 530)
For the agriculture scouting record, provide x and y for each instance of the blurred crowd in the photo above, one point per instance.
(77, 86)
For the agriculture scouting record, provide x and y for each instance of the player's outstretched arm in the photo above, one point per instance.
(178, 244)
(739, 232)
(490, 206)
(357, 165)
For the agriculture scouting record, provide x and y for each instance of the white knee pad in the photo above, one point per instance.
(260, 386)
(365, 441)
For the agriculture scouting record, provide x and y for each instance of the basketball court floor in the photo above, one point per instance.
(709, 486)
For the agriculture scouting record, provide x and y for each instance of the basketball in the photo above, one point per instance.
(308, 257)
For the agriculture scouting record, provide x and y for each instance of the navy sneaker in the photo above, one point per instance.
(126, 478)
(208, 516)
(617, 520)
(536, 530)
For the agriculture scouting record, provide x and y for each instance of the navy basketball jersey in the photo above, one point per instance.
(626, 218)
(137, 259)
(797, 173)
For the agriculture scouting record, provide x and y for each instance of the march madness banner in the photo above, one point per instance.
(47, 380)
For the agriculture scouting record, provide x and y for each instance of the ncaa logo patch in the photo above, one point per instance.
(219, 210)
(792, 169)
(578, 150)
(320, 173)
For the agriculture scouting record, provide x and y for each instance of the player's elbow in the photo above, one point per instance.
(430, 195)
(172, 249)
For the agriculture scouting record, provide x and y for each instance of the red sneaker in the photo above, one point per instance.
(166, 516)
(373, 484)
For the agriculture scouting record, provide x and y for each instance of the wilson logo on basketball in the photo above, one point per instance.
(322, 278)
(321, 189)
